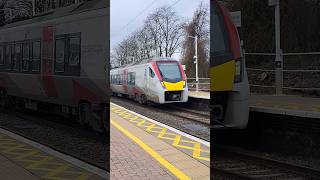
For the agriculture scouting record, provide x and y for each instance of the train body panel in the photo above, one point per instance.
(157, 80)
(85, 79)
(59, 58)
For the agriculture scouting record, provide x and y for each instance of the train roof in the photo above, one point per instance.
(85, 6)
(145, 61)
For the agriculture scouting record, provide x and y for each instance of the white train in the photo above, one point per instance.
(56, 62)
(158, 80)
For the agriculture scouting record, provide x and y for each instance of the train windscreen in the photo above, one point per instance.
(170, 71)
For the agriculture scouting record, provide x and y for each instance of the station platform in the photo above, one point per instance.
(199, 94)
(142, 148)
(286, 105)
(21, 158)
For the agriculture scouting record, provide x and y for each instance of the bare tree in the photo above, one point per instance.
(15, 10)
(199, 26)
(165, 29)
(161, 35)
(2, 11)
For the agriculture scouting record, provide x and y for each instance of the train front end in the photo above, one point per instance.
(229, 81)
(172, 82)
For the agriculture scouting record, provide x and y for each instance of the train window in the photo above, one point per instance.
(170, 71)
(219, 44)
(1, 55)
(151, 73)
(68, 54)
(26, 56)
(74, 51)
(17, 57)
(59, 55)
(121, 79)
(113, 79)
(8, 57)
(131, 78)
(118, 79)
(36, 48)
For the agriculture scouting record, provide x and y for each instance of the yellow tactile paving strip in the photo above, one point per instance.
(169, 157)
(39, 163)
(193, 148)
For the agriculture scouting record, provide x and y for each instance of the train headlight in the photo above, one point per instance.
(238, 72)
(163, 86)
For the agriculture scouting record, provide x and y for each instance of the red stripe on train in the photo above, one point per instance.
(47, 62)
(3, 83)
(81, 92)
(156, 70)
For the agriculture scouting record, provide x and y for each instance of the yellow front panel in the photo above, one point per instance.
(178, 86)
(222, 76)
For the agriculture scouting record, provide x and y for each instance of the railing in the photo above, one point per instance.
(204, 84)
(294, 78)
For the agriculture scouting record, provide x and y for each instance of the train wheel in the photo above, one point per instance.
(96, 123)
(136, 98)
(106, 120)
(3, 98)
(143, 99)
(84, 113)
(86, 116)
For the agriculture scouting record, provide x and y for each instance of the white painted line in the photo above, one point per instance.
(166, 126)
(199, 97)
(289, 112)
(72, 160)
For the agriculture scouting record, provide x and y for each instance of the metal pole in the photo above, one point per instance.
(196, 61)
(278, 60)
(33, 8)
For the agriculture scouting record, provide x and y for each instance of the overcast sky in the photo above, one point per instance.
(126, 11)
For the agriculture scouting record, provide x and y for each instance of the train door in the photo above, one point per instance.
(150, 82)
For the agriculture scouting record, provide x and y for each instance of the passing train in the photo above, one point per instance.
(57, 62)
(229, 90)
(159, 80)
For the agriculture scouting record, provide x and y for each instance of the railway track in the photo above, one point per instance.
(178, 111)
(193, 115)
(230, 163)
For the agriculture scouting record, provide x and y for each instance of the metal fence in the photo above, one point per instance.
(300, 72)
(204, 84)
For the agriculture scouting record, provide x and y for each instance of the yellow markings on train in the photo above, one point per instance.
(179, 174)
(175, 139)
(222, 76)
(37, 162)
(178, 86)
